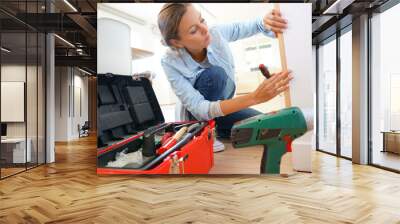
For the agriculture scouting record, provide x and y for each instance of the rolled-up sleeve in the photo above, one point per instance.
(240, 30)
(191, 99)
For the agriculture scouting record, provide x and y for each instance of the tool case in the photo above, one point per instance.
(130, 121)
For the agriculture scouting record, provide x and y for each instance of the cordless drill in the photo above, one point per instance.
(275, 130)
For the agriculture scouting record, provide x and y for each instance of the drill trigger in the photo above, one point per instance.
(288, 139)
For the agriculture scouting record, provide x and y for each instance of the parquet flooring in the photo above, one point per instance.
(69, 191)
(10, 171)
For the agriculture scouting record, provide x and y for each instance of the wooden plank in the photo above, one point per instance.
(286, 166)
(282, 51)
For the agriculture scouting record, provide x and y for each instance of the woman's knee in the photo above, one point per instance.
(212, 79)
(216, 73)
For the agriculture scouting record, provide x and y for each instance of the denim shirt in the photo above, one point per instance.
(182, 70)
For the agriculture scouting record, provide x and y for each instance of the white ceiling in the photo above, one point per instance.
(213, 12)
(229, 12)
(144, 11)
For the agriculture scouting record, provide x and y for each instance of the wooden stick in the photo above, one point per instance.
(284, 67)
(286, 166)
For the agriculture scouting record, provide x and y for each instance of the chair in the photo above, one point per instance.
(84, 130)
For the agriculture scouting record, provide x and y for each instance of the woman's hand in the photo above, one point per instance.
(267, 90)
(274, 21)
(272, 87)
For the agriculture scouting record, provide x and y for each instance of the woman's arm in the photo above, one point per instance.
(271, 23)
(267, 90)
(190, 97)
(200, 107)
(239, 30)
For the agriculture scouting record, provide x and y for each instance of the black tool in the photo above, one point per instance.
(149, 145)
(193, 127)
(156, 129)
(264, 71)
(177, 127)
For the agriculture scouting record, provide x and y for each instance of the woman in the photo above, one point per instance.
(199, 65)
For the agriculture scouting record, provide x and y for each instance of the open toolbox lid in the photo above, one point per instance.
(125, 107)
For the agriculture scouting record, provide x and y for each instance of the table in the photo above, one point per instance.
(391, 141)
(13, 150)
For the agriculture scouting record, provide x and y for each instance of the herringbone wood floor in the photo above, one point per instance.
(69, 191)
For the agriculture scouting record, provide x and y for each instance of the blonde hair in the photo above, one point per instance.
(169, 19)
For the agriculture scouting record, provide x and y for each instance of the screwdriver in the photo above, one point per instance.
(264, 71)
(173, 140)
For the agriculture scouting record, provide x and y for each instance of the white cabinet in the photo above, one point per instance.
(17, 147)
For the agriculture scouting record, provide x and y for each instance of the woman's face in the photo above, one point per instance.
(192, 31)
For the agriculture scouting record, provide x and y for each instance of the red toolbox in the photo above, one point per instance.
(132, 135)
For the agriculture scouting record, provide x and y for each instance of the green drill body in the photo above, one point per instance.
(275, 130)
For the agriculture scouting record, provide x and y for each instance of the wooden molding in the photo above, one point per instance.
(284, 67)
(286, 167)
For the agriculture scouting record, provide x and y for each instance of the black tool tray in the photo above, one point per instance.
(125, 107)
(128, 112)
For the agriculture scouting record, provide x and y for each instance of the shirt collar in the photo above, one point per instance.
(189, 61)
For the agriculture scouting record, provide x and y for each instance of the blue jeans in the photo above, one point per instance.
(213, 83)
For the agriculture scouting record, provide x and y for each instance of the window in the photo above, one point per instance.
(327, 97)
(22, 76)
(385, 89)
(346, 94)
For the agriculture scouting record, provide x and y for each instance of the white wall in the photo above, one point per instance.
(81, 83)
(33, 125)
(67, 115)
(12, 101)
(114, 54)
(61, 103)
(144, 36)
(314, 74)
(14, 73)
